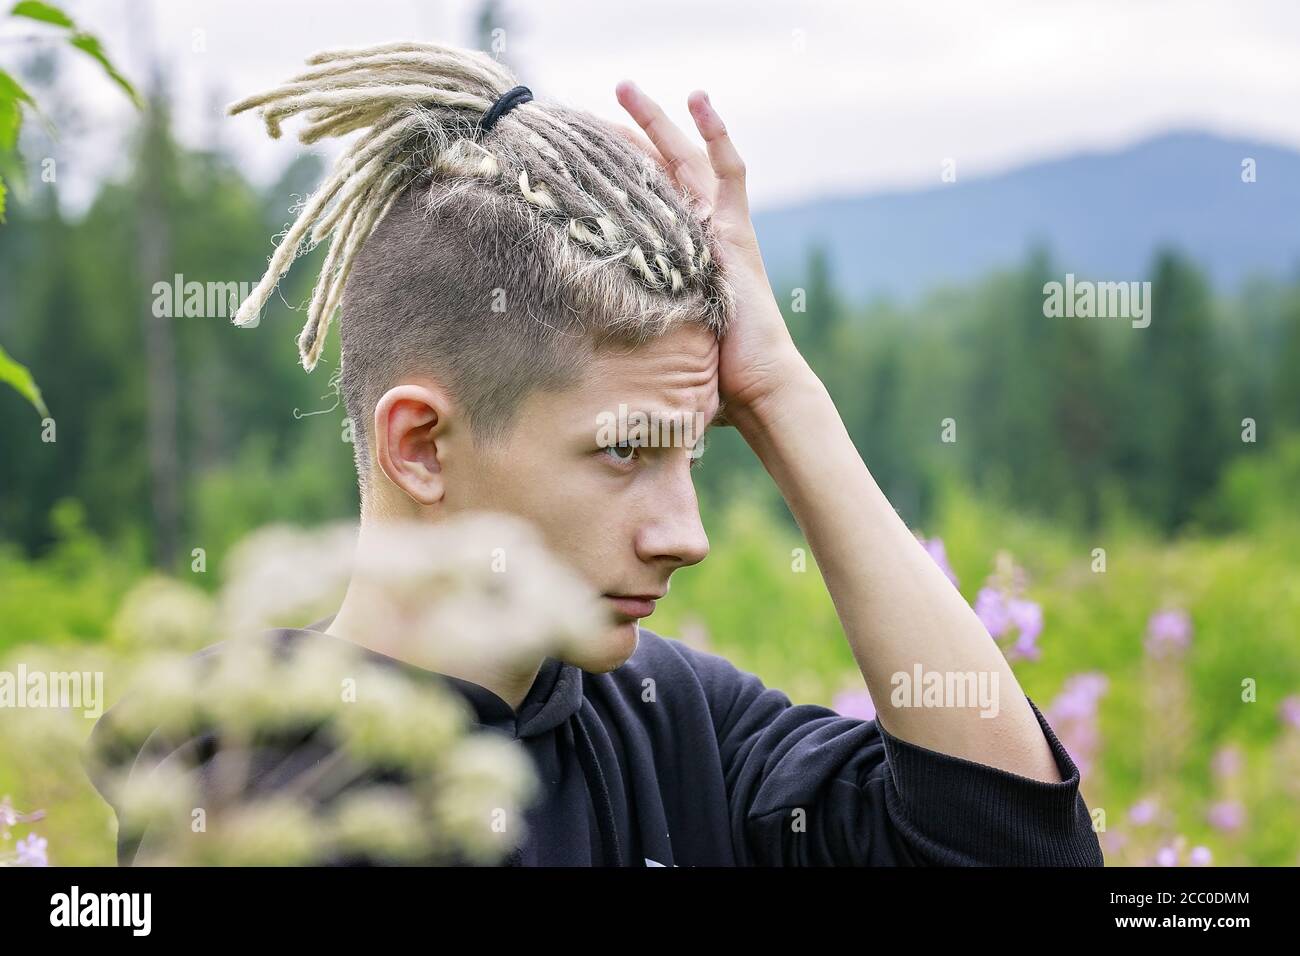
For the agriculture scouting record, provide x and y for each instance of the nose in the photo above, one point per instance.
(671, 531)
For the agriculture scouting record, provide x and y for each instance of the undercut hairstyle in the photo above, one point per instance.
(497, 261)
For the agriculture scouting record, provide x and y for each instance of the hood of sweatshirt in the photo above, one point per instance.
(554, 724)
(553, 708)
(555, 697)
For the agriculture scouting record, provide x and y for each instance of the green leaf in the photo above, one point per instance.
(17, 375)
(2, 201)
(85, 42)
(91, 46)
(11, 167)
(13, 178)
(11, 89)
(44, 12)
(12, 96)
(11, 120)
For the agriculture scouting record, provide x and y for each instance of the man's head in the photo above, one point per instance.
(503, 295)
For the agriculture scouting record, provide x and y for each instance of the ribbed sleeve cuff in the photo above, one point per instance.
(957, 812)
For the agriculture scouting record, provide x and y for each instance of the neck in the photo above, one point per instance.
(508, 678)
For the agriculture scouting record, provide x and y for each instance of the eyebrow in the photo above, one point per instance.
(719, 418)
(662, 416)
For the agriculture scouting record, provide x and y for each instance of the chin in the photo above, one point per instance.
(606, 652)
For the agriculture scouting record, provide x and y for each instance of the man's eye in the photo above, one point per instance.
(622, 452)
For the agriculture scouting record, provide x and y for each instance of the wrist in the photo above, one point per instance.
(794, 388)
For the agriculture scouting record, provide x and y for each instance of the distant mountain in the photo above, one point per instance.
(1101, 214)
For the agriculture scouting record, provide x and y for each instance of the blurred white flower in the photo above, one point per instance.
(164, 614)
(379, 820)
(449, 591)
(285, 576)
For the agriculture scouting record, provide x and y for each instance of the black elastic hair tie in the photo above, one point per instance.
(504, 104)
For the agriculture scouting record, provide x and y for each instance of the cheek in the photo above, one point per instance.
(594, 530)
(583, 522)
(508, 478)
(573, 502)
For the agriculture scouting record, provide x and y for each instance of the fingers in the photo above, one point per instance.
(727, 165)
(640, 141)
(683, 161)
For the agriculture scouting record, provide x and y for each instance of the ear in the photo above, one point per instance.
(410, 420)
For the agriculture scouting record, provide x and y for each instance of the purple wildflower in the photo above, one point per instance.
(936, 550)
(1290, 711)
(1073, 715)
(1227, 815)
(10, 817)
(1078, 698)
(1226, 762)
(31, 851)
(991, 609)
(1008, 616)
(854, 703)
(1143, 812)
(1168, 631)
(1028, 620)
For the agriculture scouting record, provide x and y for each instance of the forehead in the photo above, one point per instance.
(674, 374)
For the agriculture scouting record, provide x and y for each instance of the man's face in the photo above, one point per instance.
(625, 516)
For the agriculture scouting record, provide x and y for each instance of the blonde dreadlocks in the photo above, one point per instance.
(418, 104)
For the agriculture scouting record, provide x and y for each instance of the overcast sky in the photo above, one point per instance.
(821, 97)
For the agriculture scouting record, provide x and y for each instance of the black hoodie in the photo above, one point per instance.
(678, 758)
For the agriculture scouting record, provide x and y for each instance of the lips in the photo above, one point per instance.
(633, 605)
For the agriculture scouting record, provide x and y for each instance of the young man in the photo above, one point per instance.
(512, 271)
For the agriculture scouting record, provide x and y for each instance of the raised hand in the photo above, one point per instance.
(757, 356)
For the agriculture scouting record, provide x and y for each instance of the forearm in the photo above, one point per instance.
(897, 608)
